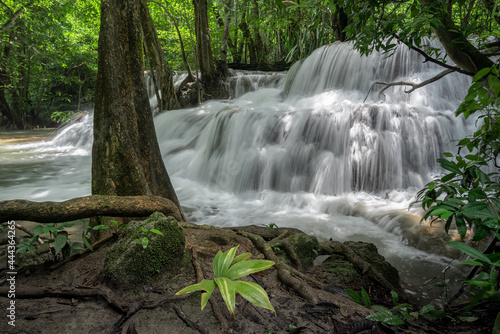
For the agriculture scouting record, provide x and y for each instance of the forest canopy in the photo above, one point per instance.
(48, 48)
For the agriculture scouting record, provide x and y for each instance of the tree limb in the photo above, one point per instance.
(435, 61)
(85, 207)
(414, 86)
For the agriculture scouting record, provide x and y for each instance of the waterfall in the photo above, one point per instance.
(320, 150)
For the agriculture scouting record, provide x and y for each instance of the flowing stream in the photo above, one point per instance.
(318, 149)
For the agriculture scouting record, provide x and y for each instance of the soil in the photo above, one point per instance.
(70, 297)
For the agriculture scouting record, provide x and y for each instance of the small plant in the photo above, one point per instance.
(384, 315)
(271, 225)
(58, 238)
(227, 269)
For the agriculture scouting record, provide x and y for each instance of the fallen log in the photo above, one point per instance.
(86, 207)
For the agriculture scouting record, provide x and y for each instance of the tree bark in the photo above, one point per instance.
(126, 158)
(162, 74)
(458, 48)
(87, 207)
(205, 57)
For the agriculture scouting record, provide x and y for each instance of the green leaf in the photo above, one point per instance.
(155, 231)
(481, 73)
(144, 242)
(395, 297)
(354, 295)
(227, 291)
(254, 293)
(494, 83)
(222, 261)
(461, 226)
(101, 227)
(384, 315)
(59, 243)
(86, 242)
(205, 285)
(242, 257)
(209, 286)
(366, 298)
(470, 251)
(451, 166)
(245, 268)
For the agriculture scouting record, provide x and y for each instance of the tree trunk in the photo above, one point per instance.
(162, 74)
(248, 40)
(126, 158)
(205, 57)
(458, 48)
(339, 22)
(87, 207)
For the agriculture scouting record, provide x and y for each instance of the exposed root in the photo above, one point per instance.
(335, 247)
(188, 322)
(284, 274)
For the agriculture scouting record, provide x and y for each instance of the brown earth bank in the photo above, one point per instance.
(78, 295)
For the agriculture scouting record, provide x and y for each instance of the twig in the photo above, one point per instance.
(24, 229)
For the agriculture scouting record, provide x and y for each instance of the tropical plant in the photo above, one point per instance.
(227, 269)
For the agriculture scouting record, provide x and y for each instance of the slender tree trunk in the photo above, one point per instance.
(5, 109)
(126, 158)
(162, 73)
(205, 57)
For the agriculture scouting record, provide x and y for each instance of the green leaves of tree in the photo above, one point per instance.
(227, 269)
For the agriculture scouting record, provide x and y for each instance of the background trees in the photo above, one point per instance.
(48, 48)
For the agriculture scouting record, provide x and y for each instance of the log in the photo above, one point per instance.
(86, 207)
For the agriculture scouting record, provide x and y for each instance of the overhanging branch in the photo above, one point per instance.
(86, 207)
(414, 86)
(435, 61)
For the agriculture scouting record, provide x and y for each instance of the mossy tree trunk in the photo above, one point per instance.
(126, 159)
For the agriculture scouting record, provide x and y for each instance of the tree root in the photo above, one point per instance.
(284, 274)
(188, 322)
(335, 247)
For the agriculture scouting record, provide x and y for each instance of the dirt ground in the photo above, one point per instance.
(71, 298)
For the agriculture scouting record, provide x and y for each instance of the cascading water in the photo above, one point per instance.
(310, 154)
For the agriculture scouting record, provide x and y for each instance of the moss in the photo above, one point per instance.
(337, 270)
(128, 263)
(306, 247)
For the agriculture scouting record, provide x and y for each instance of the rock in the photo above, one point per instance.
(306, 247)
(337, 270)
(127, 263)
(370, 254)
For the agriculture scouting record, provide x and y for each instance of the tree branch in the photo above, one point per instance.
(414, 86)
(432, 60)
(89, 206)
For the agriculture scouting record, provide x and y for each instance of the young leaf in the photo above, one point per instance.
(366, 298)
(156, 231)
(222, 261)
(227, 291)
(354, 295)
(254, 293)
(242, 257)
(245, 268)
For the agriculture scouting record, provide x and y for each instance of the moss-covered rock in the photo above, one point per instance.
(370, 254)
(337, 270)
(306, 247)
(128, 263)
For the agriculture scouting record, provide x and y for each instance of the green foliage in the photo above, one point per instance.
(57, 240)
(227, 269)
(467, 195)
(399, 313)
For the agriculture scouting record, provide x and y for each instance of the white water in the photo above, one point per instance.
(312, 155)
